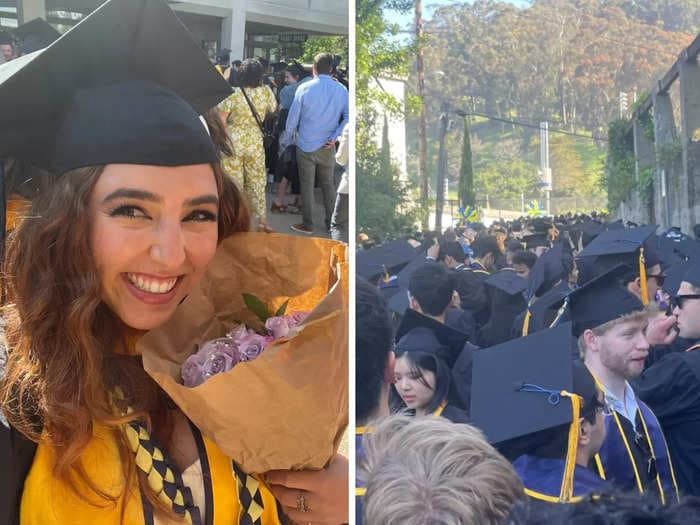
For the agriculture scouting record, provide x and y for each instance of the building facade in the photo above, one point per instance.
(273, 29)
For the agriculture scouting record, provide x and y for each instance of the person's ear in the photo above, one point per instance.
(413, 304)
(591, 340)
(584, 432)
(635, 286)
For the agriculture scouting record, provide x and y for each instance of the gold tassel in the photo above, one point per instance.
(387, 277)
(567, 483)
(526, 321)
(643, 277)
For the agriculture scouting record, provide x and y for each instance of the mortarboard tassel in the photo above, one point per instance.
(553, 398)
(526, 321)
(643, 277)
(567, 483)
(560, 312)
(386, 278)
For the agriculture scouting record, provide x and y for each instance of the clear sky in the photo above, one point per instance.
(405, 21)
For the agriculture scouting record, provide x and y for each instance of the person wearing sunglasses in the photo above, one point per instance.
(671, 386)
(611, 323)
(543, 412)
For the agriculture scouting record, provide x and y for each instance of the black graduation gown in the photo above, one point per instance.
(454, 414)
(472, 292)
(462, 321)
(360, 487)
(543, 311)
(671, 388)
(16, 458)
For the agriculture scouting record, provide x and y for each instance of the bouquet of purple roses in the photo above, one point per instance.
(239, 345)
(272, 390)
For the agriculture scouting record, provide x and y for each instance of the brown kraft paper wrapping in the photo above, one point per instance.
(288, 408)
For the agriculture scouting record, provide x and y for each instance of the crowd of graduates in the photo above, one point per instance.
(548, 365)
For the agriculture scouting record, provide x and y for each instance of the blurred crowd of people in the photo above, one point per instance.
(284, 124)
(536, 370)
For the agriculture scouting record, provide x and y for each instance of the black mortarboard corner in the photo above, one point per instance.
(385, 258)
(602, 300)
(506, 300)
(35, 34)
(627, 246)
(548, 269)
(526, 386)
(535, 240)
(420, 333)
(508, 281)
(674, 276)
(103, 93)
(692, 274)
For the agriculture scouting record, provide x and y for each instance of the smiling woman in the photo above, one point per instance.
(154, 230)
(132, 208)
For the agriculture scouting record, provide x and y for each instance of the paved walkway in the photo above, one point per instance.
(281, 222)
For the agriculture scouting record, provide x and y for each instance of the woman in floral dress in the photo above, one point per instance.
(247, 164)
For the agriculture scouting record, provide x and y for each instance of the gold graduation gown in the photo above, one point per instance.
(49, 501)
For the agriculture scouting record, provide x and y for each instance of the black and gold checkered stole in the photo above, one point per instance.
(166, 482)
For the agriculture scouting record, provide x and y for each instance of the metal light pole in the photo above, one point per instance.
(442, 169)
(544, 163)
(422, 140)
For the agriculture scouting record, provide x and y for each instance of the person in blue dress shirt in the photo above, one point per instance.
(317, 117)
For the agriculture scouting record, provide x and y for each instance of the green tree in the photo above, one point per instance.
(619, 173)
(384, 208)
(335, 45)
(382, 211)
(505, 180)
(466, 173)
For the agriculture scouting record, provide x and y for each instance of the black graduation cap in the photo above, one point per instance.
(589, 230)
(398, 303)
(103, 93)
(673, 245)
(389, 288)
(535, 240)
(35, 34)
(618, 242)
(602, 300)
(549, 268)
(526, 386)
(540, 225)
(613, 247)
(507, 281)
(692, 274)
(500, 406)
(665, 249)
(674, 276)
(420, 333)
(404, 275)
(505, 292)
(389, 257)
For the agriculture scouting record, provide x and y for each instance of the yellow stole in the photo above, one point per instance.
(49, 501)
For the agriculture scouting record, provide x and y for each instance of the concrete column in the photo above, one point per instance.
(233, 30)
(31, 9)
(643, 159)
(690, 125)
(667, 208)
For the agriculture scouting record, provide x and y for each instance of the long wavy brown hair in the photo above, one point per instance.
(61, 364)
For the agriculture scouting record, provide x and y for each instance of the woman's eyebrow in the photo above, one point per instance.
(204, 199)
(132, 193)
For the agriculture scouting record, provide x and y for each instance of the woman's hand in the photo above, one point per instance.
(313, 496)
